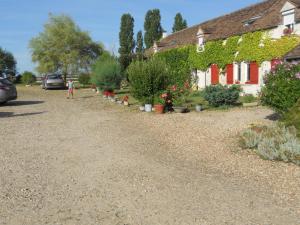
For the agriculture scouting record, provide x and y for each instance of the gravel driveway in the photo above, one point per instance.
(86, 162)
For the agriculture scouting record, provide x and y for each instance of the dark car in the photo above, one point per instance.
(8, 91)
(53, 81)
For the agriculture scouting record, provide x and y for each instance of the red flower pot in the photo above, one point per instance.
(159, 109)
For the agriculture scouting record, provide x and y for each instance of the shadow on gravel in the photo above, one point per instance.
(20, 103)
(273, 117)
(11, 114)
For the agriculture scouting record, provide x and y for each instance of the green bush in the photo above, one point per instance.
(248, 98)
(106, 73)
(179, 67)
(28, 78)
(276, 142)
(282, 87)
(218, 95)
(148, 78)
(84, 78)
(292, 117)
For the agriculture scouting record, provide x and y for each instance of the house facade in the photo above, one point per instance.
(276, 18)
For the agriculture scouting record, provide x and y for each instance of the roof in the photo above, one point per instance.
(261, 16)
(294, 54)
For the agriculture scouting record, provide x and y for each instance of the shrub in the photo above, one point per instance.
(28, 78)
(178, 63)
(147, 78)
(282, 87)
(218, 95)
(107, 72)
(84, 78)
(276, 142)
(292, 117)
(250, 138)
(248, 98)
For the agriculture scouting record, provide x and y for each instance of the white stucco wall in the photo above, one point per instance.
(204, 78)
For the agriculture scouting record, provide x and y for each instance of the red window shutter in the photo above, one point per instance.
(254, 70)
(214, 74)
(229, 70)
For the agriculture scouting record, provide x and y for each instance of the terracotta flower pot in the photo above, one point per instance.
(159, 108)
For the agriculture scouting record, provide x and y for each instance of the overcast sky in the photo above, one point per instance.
(23, 19)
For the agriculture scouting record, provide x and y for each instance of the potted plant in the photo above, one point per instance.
(160, 103)
(148, 104)
(178, 96)
(125, 100)
(199, 107)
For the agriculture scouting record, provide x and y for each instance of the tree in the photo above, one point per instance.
(139, 50)
(153, 28)
(126, 40)
(64, 48)
(107, 72)
(28, 78)
(179, 23)
(7, 63)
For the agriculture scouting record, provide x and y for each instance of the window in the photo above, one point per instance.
(288, 18)
(248, 71)
(239, 72)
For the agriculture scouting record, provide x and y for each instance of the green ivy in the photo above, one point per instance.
(256, 46)
(177, 60)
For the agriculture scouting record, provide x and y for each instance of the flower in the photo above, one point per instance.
(164, 95)
(297, 75)
(174, 88)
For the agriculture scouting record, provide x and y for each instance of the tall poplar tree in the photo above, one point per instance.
(179, 23)
(153, 28)
(126, 40)
(139, 50)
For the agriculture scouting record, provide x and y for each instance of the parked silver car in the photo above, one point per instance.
(8, 91)
(53, 81)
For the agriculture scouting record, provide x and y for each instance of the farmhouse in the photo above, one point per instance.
(255, 39)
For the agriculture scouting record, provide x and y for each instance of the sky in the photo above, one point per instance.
(21, 20)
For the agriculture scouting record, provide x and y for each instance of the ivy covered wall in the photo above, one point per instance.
(256, 46)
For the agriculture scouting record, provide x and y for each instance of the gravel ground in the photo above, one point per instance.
(87, 161)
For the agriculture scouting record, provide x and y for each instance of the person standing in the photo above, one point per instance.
(70, 85)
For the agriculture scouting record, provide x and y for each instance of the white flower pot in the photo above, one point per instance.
(148, 108)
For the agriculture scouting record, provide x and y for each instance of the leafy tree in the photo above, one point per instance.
(153, 28)
(148, 78)
(63, 48)
(107, 72)
(7, 63)
(28, 78)
(139, 46)
(126, 40)
(179, 23)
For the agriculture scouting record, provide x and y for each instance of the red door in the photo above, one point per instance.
(214, 74)
(254, 73)
(229, 70)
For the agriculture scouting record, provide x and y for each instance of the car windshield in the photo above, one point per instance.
(54, 77)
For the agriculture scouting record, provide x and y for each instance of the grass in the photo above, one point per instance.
(248, 99)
